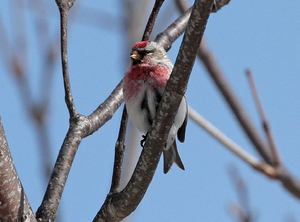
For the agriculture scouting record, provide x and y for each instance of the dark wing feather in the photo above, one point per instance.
(181, 130)
(172, 156)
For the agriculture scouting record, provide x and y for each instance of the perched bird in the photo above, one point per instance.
(144, 84)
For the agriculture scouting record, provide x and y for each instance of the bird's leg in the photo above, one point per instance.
(144, 139)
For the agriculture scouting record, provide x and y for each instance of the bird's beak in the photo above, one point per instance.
(135, 56)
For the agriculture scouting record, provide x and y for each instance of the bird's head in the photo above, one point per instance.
(147, 52)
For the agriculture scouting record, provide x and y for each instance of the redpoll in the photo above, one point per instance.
(144, 84)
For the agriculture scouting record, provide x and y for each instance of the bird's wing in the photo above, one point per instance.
(172, 156)
(181, 130)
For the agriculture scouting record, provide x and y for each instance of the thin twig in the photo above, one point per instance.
(242, 210)
(291, 183)
(151, 21)
(64, 7)
(222, 138)
(263, 118)
(5, 46)
(236, 106)
(40, 20)
(40, 108)
(119, 153)
(20, 29)
(231, 145)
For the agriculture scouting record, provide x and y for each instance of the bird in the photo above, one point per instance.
(144, 83)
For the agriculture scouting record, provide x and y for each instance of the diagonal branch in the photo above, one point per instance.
(263, 119)
(238, 109)
(48, 209)
(236, 106)
(119, 205)
(119, 153)
(291, 183)
(231, 145)
(151, 21)
(168, 36)
(242, 210)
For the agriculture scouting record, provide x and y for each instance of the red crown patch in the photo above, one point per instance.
(140, 45)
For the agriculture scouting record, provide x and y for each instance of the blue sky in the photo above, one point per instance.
(260, 35)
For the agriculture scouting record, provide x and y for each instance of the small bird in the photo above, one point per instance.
(144, 84)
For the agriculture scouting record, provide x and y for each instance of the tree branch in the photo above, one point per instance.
(168, 36)
(80, 127)
(120, 145)
(218, 4)
(119, 153)
(242, 210)
(151, 21)
(220, 80)
(119, 205)
(291, 183)
(232, 146)
(240, 113)
(14, 205)
(64, 7)
(263, 118)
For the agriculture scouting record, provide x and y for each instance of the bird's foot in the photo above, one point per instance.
(143, 140)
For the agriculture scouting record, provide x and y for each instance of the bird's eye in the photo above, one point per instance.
(147, 51)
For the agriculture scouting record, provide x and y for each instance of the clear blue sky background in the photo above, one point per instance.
(261, 35)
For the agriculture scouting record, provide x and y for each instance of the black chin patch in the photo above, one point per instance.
(136, 62)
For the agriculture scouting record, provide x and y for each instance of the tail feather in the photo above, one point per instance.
(172, 156)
